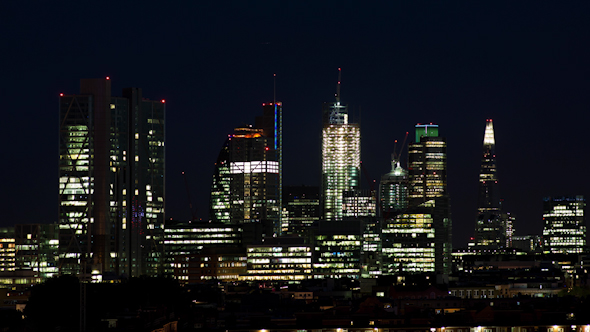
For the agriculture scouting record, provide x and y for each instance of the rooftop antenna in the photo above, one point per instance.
(274, 87)
(338, 85)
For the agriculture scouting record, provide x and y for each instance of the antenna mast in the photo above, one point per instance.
(338, 85)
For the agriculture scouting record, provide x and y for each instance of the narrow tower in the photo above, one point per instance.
(490, 230)
(341, 152)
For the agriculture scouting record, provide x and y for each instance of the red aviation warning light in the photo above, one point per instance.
(108, 78)
(163, 101)
(61, 94)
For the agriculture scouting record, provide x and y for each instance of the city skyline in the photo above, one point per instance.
(454, 65)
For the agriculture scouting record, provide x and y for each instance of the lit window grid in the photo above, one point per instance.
(340, 165)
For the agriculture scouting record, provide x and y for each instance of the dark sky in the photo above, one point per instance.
(525, 64)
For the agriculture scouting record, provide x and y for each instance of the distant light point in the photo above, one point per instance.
(163, 101)
(61, 94)
(108, 78)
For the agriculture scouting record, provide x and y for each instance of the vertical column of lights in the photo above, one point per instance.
(75, 173)
(341, 161)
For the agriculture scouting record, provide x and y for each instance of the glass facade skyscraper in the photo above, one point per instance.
(341, 157)
(393, 191)
(490, 228)
(564, 230)
(428, 200)
(111, 181)
(246, 186)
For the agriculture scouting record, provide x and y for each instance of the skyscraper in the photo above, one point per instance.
(564, 230)
(490, 228)
(111, 181)
(393, 191)
(428, 198)
(301, 209)
(341, 154)
(247, 177)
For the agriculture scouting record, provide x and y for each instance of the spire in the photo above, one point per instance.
(488, 137)
(338, 85)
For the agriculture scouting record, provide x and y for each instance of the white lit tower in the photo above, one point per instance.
(491, 224)
(341, 151)
(564, 230)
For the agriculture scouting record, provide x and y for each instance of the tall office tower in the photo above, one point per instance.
(427, 191)
(341, 154)
(564, 231)
(490, 231)
(111, 181)
(393, 191)
(301, 209)
(247, 177)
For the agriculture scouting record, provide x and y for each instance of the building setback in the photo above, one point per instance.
(341, 157)
(246, 188)
(111, 182)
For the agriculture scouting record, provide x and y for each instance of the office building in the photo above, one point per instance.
(111, 182)
(528, 243)
(7, 250)
(393, 191)
(409, 244)
(246, 187)
(285, 259)
(427, 194)
(37, 248)
(359, 204)
(564, 230)
(301, 209)
(189, 237)
(490, 227)
(211, 263)
(338, 247)
(341, 151)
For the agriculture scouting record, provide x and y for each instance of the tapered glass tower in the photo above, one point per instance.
(490, 227)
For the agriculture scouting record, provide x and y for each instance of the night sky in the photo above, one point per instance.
(525, 64)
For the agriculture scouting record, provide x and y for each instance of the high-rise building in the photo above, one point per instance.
(564, 230)
(393, 191)
(490, 227)
(301, 209)
(341, 154)
(338, 250)
(428, 197)
(111, 181)
(409, 244)
(247, 179)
